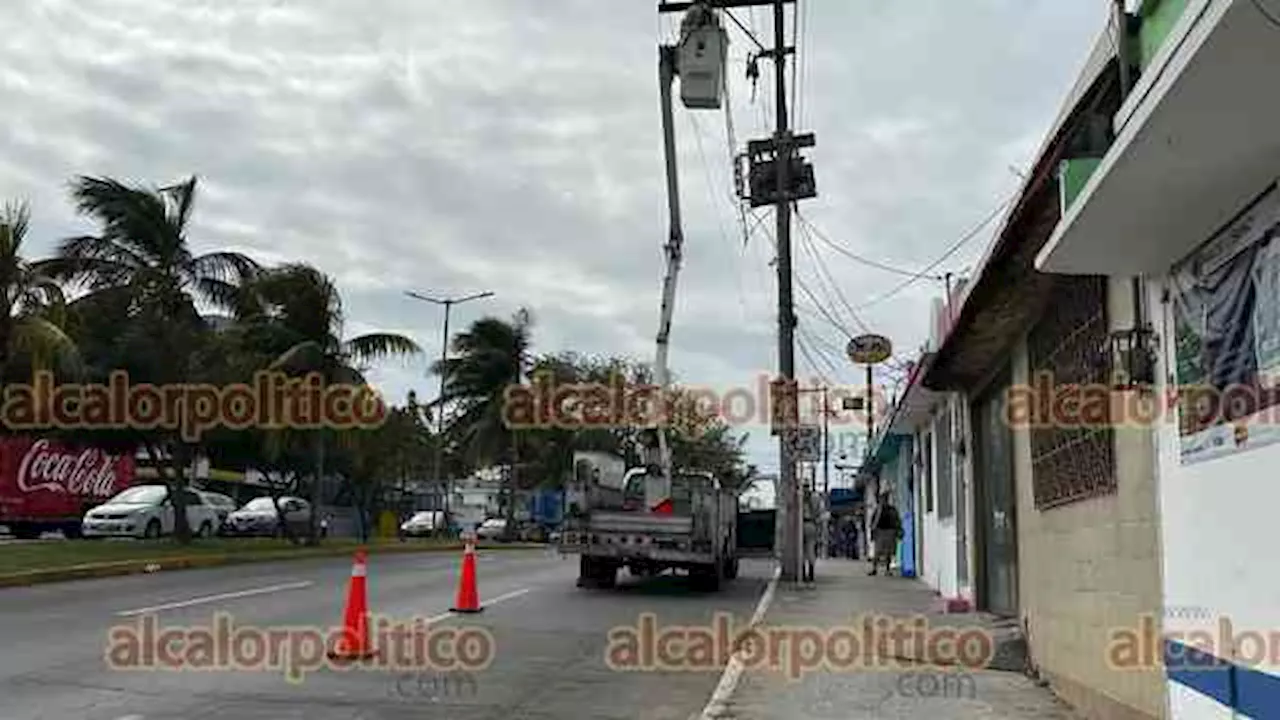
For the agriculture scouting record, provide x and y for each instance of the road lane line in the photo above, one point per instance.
(501, 598)
(717, 705)
(215, 598)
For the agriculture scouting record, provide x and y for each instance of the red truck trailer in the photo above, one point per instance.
(47, 485)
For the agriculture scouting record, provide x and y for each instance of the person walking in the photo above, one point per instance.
(886, 529)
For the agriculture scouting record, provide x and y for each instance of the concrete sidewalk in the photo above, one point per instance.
(893, 689)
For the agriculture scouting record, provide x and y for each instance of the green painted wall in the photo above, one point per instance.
(1072, 176)
(1158, 19)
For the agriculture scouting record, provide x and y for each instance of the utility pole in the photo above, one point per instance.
(448, 304)
(784, 190)
(826, 444)
(871, 414)
(786, 312)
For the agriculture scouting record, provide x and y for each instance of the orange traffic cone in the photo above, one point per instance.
(354, 643)
(468, 596)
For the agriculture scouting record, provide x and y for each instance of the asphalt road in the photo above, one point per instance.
(548, 661)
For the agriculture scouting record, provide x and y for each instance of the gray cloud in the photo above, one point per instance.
(503, 145)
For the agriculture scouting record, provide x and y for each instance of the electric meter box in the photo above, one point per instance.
(701, 67)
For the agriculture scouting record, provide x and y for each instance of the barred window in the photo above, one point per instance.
(1069, 344)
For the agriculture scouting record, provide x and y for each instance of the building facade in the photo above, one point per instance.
(1183, 209)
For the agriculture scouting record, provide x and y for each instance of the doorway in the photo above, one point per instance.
(996, 503)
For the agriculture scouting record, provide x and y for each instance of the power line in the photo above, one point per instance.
(806, 243)
(715, 209)
(804, 350)
(821, 309)
(805, 223)
(955, 247)
(821, 347)
(1271, 17)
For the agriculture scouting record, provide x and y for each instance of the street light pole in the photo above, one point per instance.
(448, 304)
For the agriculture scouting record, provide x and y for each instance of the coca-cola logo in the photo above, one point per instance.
(90, 472)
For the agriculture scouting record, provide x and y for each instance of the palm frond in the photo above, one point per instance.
(45, 342)
(378, 346)
(306, 355)
(226, 266)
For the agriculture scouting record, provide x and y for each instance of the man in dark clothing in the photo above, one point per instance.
(886, 530)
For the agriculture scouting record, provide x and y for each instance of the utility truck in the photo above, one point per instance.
(648, 529)
(661, 517)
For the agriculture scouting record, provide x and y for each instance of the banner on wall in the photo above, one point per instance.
(1226, 299)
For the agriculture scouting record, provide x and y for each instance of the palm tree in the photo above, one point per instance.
(32, 305)
(491, 355)
(144, 292)
(292, 316)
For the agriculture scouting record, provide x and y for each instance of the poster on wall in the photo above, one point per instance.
(1266, 316)
(1226, 304)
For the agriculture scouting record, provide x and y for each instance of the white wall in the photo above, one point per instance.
(1218, 522)
(939, 536)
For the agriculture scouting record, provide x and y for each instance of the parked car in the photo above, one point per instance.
(259, 517)
(223, 505)
(425, 523)
(146, 511)
(492, 529)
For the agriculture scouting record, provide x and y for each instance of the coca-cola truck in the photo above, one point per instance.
(46, 485)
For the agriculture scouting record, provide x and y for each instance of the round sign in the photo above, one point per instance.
(870, 349)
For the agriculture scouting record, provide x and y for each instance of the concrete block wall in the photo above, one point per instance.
(1087, 569)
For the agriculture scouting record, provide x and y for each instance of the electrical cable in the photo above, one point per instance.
(1271, 18)
(955, 247)
(821, 310)
(805, 222)
(806, 244)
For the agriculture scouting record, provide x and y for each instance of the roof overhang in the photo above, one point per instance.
(1007, 292)
(1196, 140)
(917, 402)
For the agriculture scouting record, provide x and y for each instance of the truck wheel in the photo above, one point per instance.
(586, 571)
(707, 578)
(73, 531)
(606, 574)
(23, 531)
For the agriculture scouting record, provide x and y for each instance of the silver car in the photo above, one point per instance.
(259, 517)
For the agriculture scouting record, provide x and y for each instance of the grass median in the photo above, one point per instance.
(54, 560)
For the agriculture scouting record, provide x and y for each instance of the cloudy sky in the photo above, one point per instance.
(514, 146)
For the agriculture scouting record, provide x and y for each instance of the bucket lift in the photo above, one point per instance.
(699, 60)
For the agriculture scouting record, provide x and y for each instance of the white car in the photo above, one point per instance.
(424, 524)
(145, 511)
(492, 529)
(223, 505)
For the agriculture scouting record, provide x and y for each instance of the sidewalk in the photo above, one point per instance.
(843, 591)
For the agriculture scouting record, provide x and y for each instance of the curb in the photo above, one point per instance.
(718, 705)
(117, 568)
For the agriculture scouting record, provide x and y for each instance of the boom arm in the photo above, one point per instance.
(674, 248)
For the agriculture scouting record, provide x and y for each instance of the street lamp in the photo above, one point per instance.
(448, 304)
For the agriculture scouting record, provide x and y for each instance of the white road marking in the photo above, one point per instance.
(716, 706)
(501, 598)
(215, 598)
